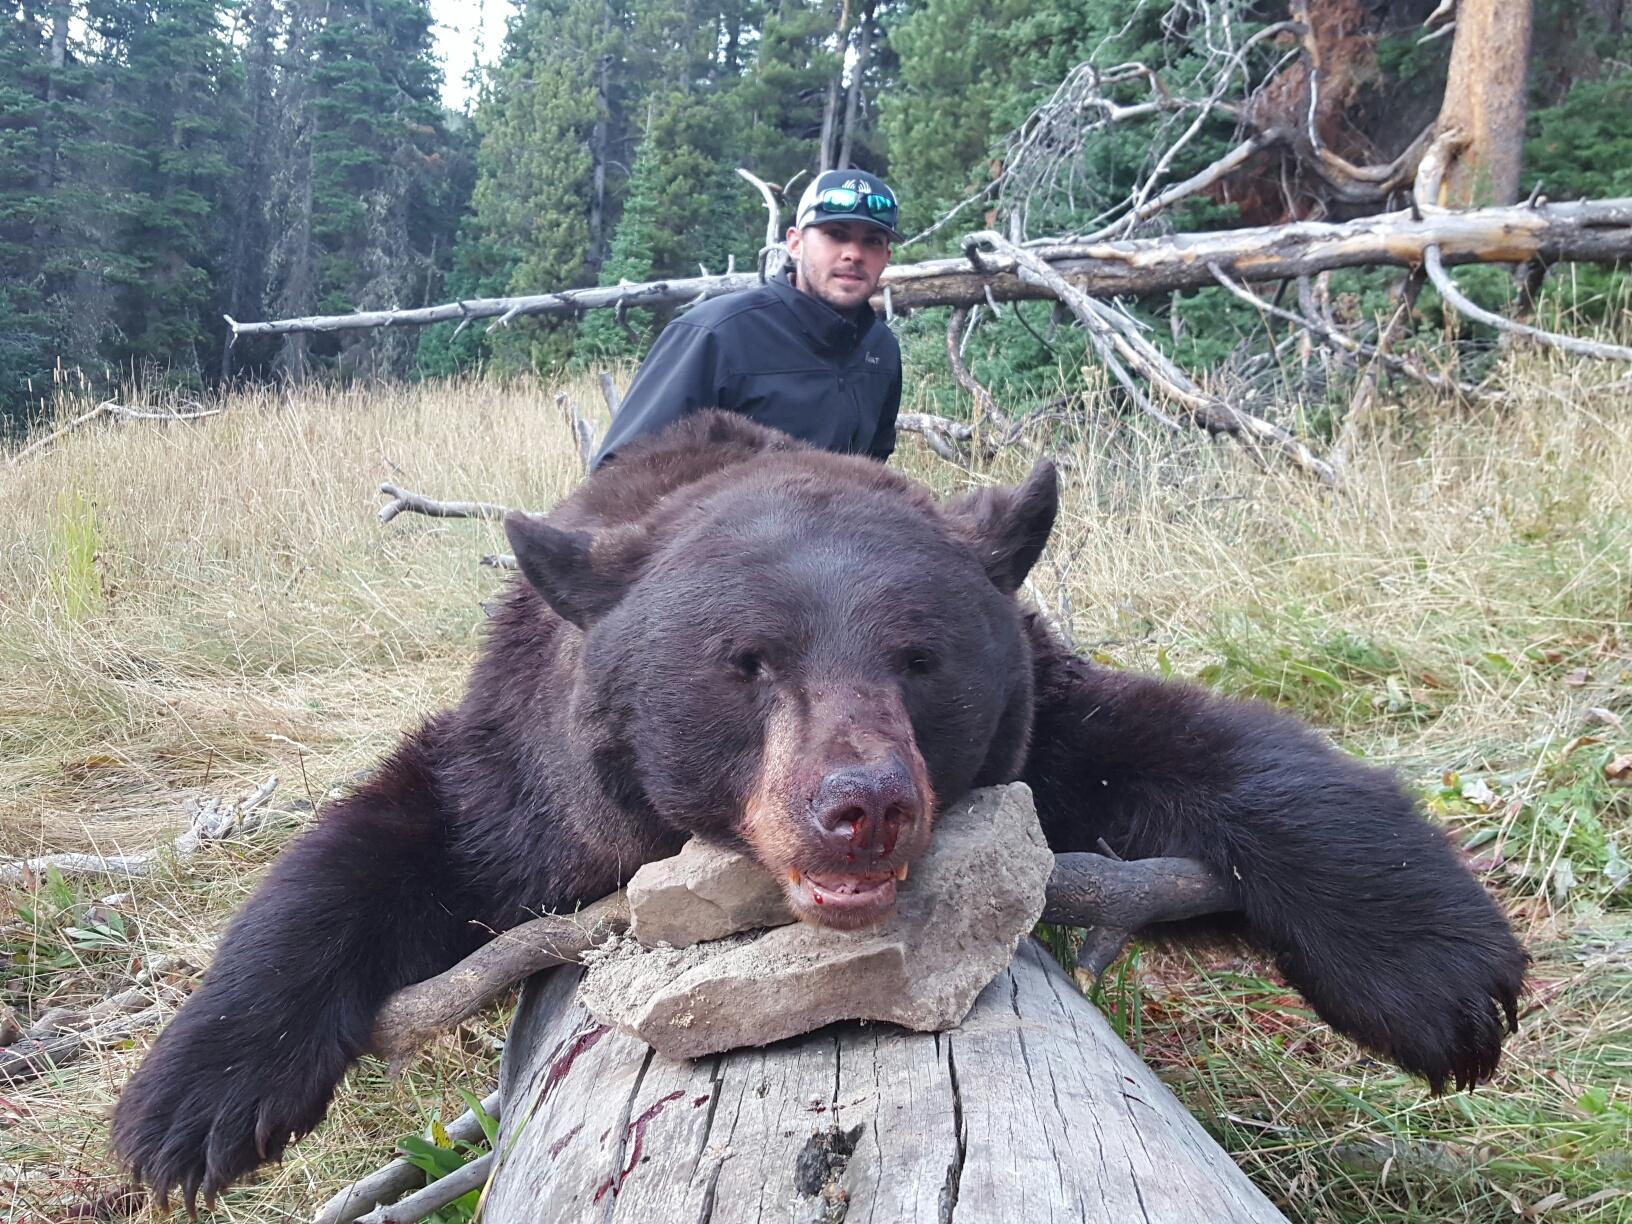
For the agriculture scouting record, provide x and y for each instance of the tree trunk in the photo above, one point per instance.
(826, 149)
(852, 100)
(1031, 1109)
(598, 142)
(1485, 101)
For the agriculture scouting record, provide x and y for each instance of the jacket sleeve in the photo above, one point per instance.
(681, 374)
(884, 437)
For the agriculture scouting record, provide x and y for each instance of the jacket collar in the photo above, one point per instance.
(824, 325)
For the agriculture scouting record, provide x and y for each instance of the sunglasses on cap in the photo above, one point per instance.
(847, 201)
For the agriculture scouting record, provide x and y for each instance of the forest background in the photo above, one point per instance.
(165, 163)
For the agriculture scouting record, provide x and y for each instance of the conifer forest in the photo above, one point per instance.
(166, 164)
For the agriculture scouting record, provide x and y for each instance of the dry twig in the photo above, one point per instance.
(117, 411)
(402, 499)
(211, 821)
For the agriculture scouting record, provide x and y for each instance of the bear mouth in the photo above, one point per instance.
(841, 899)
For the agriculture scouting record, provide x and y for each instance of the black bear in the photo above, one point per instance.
(730, 634)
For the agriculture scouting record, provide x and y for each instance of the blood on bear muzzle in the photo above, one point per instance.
(842, 805)
(838, 899)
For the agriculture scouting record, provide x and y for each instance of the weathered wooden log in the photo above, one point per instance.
(1584, 231)
(1032, 1109)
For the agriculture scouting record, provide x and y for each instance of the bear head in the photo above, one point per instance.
(803, 656)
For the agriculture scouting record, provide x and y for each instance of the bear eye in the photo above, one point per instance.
(917, 661)
(750, 665)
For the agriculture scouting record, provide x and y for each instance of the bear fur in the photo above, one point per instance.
(727, 633)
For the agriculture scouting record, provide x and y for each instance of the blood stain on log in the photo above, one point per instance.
(560, 1144)
(561, 1064)
(637, 1128)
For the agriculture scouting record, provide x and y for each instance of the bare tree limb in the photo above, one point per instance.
(1426, 194)
(773, 255)
(434, 1197)
(1086, 890)
(985, 406)
(418, 503)
(1208, 411)
(1345, 342)
(1588, 231)
(1113, 899)
(211, 821)
(415, 1014)
(1463, 305)
(583, 433)
(117, 411)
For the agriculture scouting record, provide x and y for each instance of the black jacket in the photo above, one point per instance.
(779, 357)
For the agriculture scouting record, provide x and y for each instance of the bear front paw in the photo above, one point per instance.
(192, 1122)
(1442, 1017)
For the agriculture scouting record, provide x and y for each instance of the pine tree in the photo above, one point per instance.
(174, 84)
(26, 180)
(536, 180)
(376, 133)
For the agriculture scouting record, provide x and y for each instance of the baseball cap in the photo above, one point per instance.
(848, 195)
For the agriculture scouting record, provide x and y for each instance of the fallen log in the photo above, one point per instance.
(1031, 1109)
(1585, 231)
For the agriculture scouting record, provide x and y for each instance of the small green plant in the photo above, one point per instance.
(76, 542)
(53, 936)
(437, 1154)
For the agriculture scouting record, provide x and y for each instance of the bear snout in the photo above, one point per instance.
(860, 811)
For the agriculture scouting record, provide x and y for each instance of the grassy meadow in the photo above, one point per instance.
(188, 609)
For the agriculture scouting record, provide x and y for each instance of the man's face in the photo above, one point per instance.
(840, 262)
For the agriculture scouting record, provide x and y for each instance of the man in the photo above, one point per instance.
(804, 353)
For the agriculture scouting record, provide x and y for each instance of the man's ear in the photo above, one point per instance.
(581, 577)
(1008, 527)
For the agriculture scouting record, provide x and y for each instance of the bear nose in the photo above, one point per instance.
(861, 809)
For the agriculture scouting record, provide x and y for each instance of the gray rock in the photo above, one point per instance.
(704, 892)
(958, 919)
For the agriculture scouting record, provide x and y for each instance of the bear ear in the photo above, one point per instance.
(1008, 527)
(580, 576)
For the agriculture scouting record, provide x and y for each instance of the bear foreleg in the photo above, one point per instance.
(1365, 906)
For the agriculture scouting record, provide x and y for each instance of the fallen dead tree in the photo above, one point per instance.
(1591, 231)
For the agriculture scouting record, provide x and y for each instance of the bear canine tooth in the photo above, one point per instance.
(901, 871)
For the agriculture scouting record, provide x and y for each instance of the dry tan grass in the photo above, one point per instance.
(186, 609)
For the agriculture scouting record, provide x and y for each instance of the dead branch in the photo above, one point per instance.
(117, 411)
(390, 1182)
(956, 336)
(1377, 352)
(1426, 195)
(583, 433)
(1111, 330)
(1111, 898)
(927, 423)
(609, 392)
(402, 499)
(415, 1014)
(62, 1034)
(210, 821)
(35, 1056)
(1463, 305)
(434, 1197)
(773, 255)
